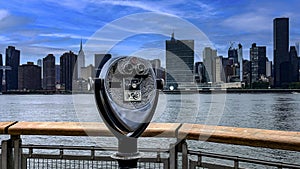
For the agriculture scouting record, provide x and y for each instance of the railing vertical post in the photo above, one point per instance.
(184, 150)
(7, 155)
(192, 165)
(236, 163)
(173, 156)
(17, 151)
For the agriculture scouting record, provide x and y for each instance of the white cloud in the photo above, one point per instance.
(165, 7)
(61, 35)
(72, 36)
(135, 4)
(13, 22)
(3, 14)
(252, 22)
(71, 4)
(5, 40)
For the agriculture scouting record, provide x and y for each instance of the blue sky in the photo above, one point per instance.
(40, 27)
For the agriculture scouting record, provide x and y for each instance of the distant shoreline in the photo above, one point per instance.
(244, 91)
(201, 91)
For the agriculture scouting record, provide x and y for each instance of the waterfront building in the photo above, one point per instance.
(158, 70)
(68, 70)
(299, 67)
(156, 64)
(196, 72)
(179, 62)
(80, 61)
(232, 64)
(209, 60)
(281, 58)
(87, 72)
(246, 72)
(39, 62)
(57, 74)
(233, 54)
(226, 66)
(268, 68)
(29, 77)
(240, 60)
(258, 60)
(12, 59)
(298, 48)
(49, 72)
(99, 61)
(201, 75)
(295, 65)
(218, 69)
(1, 72)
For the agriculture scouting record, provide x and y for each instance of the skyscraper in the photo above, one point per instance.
(29, 77)
(258, 60)
(269, 69)
(218, 69)
(49, 72)
(295, 65)
(99, 61)
(1, 73)
(179, 62)
(68, 70)
(12, 59)
(209, 60)
(80, 61)
(233, 54)
(282, 64)
(39, 62)
(298, 48)
(57, 74)
(158, 70)
(240, 60)
(196, 72)
(201, 72)
(87, 72)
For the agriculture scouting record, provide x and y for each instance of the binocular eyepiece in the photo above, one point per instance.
(132, 66)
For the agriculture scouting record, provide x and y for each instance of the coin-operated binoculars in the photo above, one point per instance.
(126, 94)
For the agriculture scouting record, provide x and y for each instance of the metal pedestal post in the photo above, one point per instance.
(128, 154)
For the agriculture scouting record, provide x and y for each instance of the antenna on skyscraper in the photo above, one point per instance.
(173, 35)
(80, 45)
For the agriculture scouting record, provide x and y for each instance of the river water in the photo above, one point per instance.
(263, 111)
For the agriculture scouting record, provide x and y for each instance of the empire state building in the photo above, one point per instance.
(80, 61)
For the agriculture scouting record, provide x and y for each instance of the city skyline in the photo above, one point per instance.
(38, 31)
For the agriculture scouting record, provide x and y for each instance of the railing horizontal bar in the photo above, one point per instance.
(270, 163)
(215, 166)
(88, 158)
(242, 159)
(275, 139)
(88, 148)
(212, 155)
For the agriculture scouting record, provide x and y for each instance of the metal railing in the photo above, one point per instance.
(234, 159)
(15, 155)
(32, 160)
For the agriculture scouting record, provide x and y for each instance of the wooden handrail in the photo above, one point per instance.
(285, 140)
(275, 139)
(4, 126)
(86, 128)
